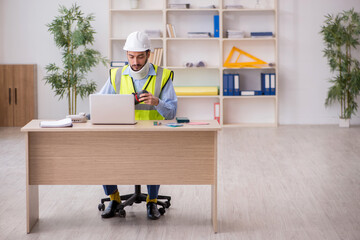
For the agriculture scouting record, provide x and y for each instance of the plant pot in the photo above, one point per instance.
(134, 4)
(344, 122)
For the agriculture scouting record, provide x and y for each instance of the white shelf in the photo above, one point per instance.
(248, 68)
(193, 10)
(236, 125)
(235, 111)
(251, 97)
(249, 10)
(191, 68)
(249, 39)
(210, 96)
(124, 39)
(192, 39)
(135, 10)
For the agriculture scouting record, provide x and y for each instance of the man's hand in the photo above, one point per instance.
(148, 98)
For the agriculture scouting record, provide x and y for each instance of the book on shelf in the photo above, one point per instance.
(179, 5)
(216, 26)
(151, 57)
(199, 34)
(171, 30)
(225, 85)
(156, 56)
(236, 84)
(118, 63)
(261, 34)
(168, 26)
(250, 92)
(217, 111)
(272, 83)
(235, 34)
(207, 6)
(234, 6)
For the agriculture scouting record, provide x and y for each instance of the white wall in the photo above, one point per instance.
(303, 73)
(303, 70)
(25, 39)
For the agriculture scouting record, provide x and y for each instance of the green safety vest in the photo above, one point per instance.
(123, 84)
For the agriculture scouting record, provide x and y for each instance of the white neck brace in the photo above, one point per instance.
(141, 74)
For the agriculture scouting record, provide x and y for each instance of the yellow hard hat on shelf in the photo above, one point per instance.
(137, 42)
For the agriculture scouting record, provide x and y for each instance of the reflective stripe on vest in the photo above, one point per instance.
(123, 84)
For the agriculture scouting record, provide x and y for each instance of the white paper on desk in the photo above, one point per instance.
(56, 124)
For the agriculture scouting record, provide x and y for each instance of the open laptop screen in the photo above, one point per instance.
(112, 109)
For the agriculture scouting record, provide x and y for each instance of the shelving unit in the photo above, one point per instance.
(239, 111)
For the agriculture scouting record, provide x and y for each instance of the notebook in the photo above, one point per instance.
(112, 109)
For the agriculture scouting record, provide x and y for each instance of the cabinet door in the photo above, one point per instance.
(24, 96)
(6, 96)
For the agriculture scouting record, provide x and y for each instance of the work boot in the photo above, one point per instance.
(110, 210)
(152, 211)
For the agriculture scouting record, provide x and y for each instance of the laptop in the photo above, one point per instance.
(112, 109)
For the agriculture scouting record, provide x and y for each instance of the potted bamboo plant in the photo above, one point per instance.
(341, 35)
(74, 36)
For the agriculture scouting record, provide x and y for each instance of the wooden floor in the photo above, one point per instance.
(290, 182)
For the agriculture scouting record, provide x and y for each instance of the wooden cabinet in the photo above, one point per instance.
(17, 95)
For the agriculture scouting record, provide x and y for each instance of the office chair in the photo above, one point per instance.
(136, 197)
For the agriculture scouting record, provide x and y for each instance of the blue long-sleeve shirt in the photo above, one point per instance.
(167, 101)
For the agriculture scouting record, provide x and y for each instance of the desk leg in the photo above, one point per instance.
(214, 207)
(32, 206)
(214, 188)
(32, 195)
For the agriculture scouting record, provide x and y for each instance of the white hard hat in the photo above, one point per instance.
(137, 42)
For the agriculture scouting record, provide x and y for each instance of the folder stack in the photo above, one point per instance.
(268, 83)
(235, 34)
(261, 34)
(231, 84)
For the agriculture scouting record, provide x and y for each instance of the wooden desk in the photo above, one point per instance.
(87, 154)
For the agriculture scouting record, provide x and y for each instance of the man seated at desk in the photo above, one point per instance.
(157, 104)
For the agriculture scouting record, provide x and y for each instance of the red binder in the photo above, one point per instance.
(217, 112)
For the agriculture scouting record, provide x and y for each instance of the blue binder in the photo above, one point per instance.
(231, 84)
(265, 83)
(216, 26)
(262, 83)
(236, 84)
(272, 83)
(225, 85)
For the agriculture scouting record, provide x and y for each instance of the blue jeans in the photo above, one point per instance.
(153, 190)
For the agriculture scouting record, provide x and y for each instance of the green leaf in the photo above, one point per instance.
(74, 36)
(341, 34)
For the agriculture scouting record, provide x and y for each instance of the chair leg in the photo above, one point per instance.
(164, 197)
(128, 202)
(105, 200)
(126, 197)
(136, 197)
